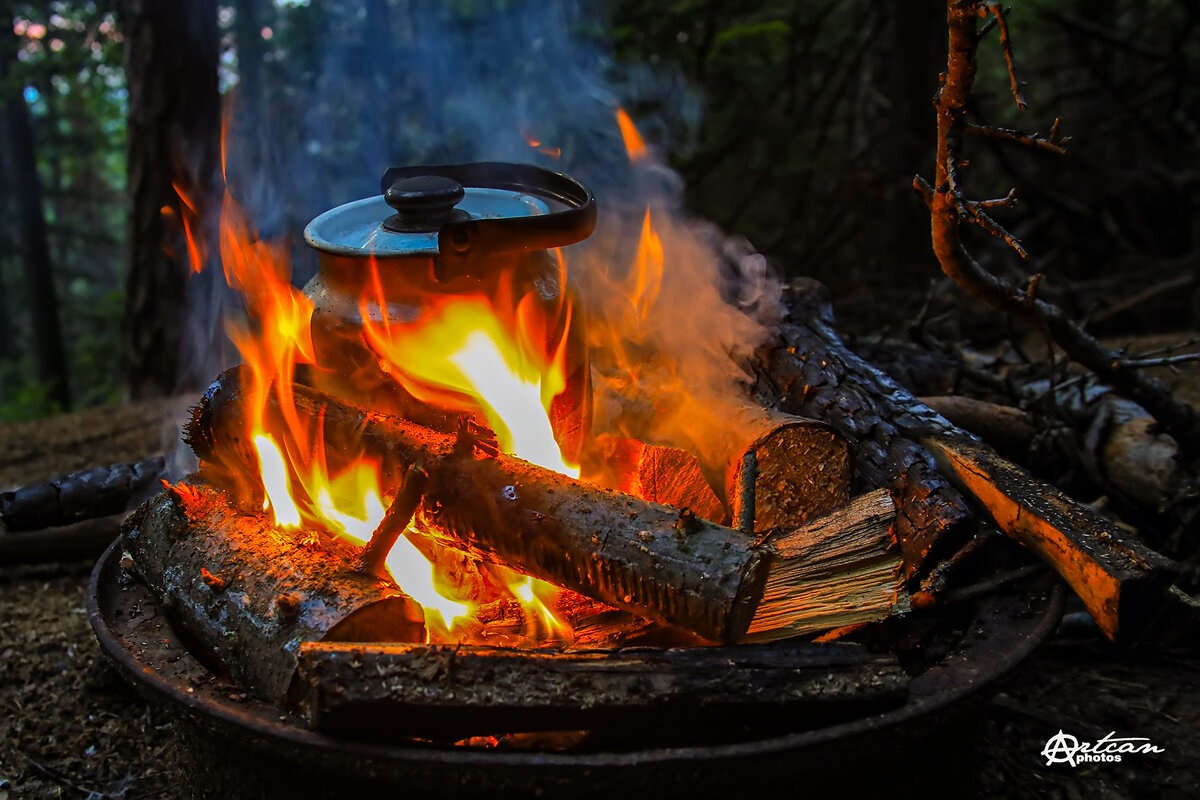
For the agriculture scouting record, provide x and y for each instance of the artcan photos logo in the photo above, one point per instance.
(1063, 748)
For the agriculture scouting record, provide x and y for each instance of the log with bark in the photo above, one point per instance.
(248, 592)
(771, 469)
(451, 692)
(809, 371)
(649, 559)
(897, 437)
(86, 494)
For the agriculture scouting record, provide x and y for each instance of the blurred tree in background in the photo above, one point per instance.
(796, 125)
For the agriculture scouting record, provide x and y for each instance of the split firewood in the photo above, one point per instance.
(449, 692)
(1120, 580)
(653, 472)
(840, 569)
(809, 371)
(86, 494)
(249, 592)
(649, 559)
(771, 469)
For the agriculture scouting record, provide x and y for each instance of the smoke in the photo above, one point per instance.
(371, 84)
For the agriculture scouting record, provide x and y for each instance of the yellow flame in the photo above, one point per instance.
(465, 348)
(513, 405)
(274, 474)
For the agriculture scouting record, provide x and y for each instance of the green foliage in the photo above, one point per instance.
(71, 73)
(28, 399)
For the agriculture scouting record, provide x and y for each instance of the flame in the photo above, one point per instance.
(463, 355)
(635, 145)
(536, 143)
(466, 354)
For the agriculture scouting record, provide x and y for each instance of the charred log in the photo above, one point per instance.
(247, 592)
(445, 692)
(770, 468)
(813, 373)
(649, 559)
(75, 542)
(86, 494)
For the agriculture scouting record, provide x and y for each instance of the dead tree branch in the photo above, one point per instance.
(949, 208)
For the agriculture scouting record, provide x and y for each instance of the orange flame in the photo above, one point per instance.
(635, 145)
(465, 354)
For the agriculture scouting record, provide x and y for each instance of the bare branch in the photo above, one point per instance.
(947, 212)
(1051, 144)
(1006, 45)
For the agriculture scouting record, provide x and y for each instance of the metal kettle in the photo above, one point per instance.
(436, 233)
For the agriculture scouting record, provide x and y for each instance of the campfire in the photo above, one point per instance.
(456, 477)
(438, 442)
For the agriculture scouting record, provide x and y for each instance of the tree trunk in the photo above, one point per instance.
(174, 137)
(26, 191)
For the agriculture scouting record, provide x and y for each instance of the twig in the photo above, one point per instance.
(1052, 144)
(1162, 361)
(1006, 45)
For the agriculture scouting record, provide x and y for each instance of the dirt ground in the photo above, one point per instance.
(70, 728)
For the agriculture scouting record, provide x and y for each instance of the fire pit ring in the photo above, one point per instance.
(233, 747)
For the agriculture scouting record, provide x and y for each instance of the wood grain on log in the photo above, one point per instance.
(657, 473)
(249, 592)
(840, 569)
(771, 469)
(447, 692)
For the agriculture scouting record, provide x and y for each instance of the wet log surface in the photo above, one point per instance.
(812, 373)
(448, 692)
(248, 593)
(1120, 580)
(86, 494)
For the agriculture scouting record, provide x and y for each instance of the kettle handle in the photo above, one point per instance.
(474, 237)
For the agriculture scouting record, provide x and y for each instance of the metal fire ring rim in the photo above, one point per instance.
(147, 680)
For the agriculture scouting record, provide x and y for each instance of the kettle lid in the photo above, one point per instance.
(459, 210)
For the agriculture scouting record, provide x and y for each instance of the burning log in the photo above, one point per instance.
(249, 592)
(656, 473)
(771, 469)
(450, 692)
(86, 494)
(652, 560)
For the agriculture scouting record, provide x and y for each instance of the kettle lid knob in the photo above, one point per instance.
(422, 203)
